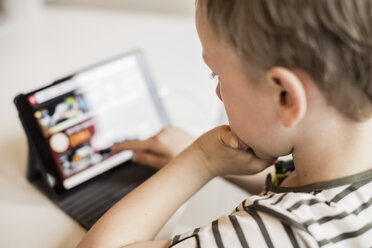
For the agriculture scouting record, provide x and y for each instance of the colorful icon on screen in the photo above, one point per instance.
(32, 100)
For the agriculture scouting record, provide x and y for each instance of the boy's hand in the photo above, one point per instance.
(158, 150)
(222, 153)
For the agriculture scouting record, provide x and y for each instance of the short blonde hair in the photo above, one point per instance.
(331, 40)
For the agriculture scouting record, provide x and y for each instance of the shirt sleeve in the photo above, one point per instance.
(248, 228)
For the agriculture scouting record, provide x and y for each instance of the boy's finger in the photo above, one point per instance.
(149, 159)
(131, 145)
(229, 138)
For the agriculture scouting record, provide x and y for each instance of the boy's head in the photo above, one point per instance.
(294, 46)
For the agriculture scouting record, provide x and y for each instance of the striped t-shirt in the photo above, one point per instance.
(335, 213)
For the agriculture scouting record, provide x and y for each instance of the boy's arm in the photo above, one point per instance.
(141, 214)
(151, 244)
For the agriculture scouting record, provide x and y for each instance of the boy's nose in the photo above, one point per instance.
(218, 91)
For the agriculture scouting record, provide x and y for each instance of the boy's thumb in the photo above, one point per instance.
(229, 138)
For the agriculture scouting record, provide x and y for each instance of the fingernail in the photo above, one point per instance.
(234, 143)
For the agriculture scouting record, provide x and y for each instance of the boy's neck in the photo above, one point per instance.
(332, 150)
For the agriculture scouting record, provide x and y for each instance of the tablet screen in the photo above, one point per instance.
(82, 117)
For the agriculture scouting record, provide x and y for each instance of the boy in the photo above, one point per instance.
(295, 78)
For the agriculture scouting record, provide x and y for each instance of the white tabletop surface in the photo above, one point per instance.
(57, 42)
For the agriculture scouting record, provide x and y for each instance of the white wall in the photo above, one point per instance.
(182, 7)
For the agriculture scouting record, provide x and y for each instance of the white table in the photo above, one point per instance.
(61, 40)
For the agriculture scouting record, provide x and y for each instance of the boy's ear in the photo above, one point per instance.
(289, 95)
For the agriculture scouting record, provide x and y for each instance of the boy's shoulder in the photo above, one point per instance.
(329, 212)
(337, 211)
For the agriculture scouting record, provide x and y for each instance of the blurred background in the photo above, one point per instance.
(179, 7)
(17, 8)
(63, 36)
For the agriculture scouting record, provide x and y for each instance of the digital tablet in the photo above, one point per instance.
(73, 122)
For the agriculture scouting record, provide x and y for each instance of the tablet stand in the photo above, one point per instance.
(35, 174)
(32, 163)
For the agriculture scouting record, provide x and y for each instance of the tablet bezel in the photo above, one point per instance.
(34, 133)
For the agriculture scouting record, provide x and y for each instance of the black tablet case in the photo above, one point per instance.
(89, 201)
